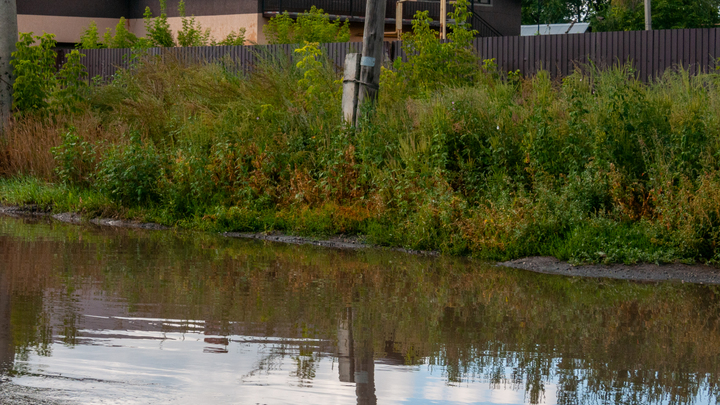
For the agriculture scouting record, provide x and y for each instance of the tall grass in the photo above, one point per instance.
(594, 167)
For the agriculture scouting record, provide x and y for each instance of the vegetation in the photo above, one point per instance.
(38, 88)
(159, 33)
(623, 15)
(595, 167)
(312, 26)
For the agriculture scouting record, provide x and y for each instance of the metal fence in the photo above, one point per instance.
(650, 52)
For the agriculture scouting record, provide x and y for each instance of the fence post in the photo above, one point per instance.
(351, 87)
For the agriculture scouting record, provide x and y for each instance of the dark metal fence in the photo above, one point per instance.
(650, 52)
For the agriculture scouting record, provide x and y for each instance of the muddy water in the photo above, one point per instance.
(117, 316)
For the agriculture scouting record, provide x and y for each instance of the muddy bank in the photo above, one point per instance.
(19, 395)
(337, 242)
(694, 273)
(684, 273)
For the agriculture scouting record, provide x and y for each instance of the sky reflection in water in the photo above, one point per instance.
(131, 317)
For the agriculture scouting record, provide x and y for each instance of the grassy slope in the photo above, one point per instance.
(597, 167)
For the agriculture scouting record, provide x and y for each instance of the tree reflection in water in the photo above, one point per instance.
(593, 340)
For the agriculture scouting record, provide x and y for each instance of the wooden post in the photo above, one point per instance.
(8, 39)
(372, 53)
(398, 18)
(443, 19)
(351, 76)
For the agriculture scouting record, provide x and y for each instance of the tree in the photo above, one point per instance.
(158, 28)
(90, 39)
(8, 38)
(312, 26)
(122, 38)
(628, 15)
(561, 11)
(191, 33)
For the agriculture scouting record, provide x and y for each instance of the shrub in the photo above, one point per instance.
(130, 174)
(432, 63)
(158, 28)
(34, 72)
(122, 38)
(90, 39)
(191, 33)
(233, 38)
(73, 88)
(74, 159)
(312, 26)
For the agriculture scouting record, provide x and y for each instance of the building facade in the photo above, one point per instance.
(68, 19)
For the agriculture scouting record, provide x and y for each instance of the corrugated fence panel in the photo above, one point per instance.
(650, 52)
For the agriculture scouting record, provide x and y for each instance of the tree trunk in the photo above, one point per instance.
(8, 38)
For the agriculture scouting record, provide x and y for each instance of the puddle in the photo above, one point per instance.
(128, 316)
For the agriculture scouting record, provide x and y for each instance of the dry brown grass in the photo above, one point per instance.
(27, 147)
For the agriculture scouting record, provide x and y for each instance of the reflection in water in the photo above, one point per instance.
(187, 317)
(7, 349)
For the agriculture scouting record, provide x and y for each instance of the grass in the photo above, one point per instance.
(596, 167)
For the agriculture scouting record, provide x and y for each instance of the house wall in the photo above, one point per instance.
(75, 8)
(68, 19)
(504, 15)
(195, 7)
(220, 25)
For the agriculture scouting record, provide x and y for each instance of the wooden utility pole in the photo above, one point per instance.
(443, 19)
(648, 15)
(372, 53)
(8, 39)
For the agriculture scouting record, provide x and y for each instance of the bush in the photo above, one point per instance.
(130, 174)
(191, 33)
(122, 38)
(158, 28)
(75, 160)
(312, 26)
(34, 72)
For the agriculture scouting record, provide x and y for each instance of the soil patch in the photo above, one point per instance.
(684, 273)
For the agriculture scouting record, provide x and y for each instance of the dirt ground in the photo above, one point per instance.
(683, 273)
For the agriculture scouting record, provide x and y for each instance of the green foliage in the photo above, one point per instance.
(129, 174)
(34, 72)
(666, 14)
(72, 83)
(432, 63)
(74, 158)
(158, 28)
(311, 66)
(122, 38)
(312, 26)
(90, 39)
(596, 167)
(233, 38)
(191, 33)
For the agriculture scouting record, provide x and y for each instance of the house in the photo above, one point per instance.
(68, 19)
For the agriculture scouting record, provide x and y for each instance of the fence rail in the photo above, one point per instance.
(650, 52)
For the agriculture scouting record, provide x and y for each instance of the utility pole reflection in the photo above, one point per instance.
(7, 349)
(356, 359)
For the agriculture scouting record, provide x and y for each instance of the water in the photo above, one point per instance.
(117, 316)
